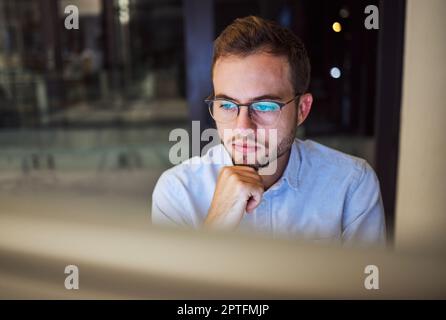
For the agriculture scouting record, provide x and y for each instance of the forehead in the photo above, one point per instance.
(251, 76)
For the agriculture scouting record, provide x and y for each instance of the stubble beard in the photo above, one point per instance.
(283, 147)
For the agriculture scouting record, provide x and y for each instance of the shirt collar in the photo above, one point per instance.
(291, 173)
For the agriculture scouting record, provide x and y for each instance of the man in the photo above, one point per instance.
(262, 178)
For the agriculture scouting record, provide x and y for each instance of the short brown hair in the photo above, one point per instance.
(252, 34)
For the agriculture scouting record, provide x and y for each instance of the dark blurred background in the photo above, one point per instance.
(87, 112)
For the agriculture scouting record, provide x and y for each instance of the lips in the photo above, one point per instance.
(245, 148)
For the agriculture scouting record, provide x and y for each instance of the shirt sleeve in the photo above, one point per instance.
(169, 203)
(364, 221)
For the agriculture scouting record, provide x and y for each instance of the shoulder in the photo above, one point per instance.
(182, 193)
(333, 163)
(194, 169)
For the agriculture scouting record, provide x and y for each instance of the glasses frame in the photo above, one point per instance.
(281, 104)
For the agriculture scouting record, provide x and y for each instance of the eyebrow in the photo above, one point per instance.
(262, 97)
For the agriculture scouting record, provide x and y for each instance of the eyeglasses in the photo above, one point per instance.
(264, 112)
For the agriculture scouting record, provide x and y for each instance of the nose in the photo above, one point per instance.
(244, 120)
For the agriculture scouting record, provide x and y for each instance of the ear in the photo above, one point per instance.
(305, 102)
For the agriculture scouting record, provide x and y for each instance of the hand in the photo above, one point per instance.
(238, 189)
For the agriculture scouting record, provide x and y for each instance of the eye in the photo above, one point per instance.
(265, 106)
(227, 105)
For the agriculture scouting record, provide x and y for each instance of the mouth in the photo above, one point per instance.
(245, 147)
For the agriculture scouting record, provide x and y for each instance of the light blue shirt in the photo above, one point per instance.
(323, 195)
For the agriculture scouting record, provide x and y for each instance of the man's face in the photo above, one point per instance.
(246, 79)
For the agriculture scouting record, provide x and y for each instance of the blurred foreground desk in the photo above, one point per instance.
(118, 262)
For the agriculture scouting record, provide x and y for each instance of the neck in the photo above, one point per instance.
(280, 163)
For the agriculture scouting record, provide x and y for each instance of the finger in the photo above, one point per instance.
(246, 172)
(235, 175)
(229, 170)
(245, 168)
(251, 181)
(254, 200)
(239, 170)
(251, 176)
(251, 205)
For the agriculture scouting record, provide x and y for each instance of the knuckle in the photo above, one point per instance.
(225, 171)
(235, 178)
